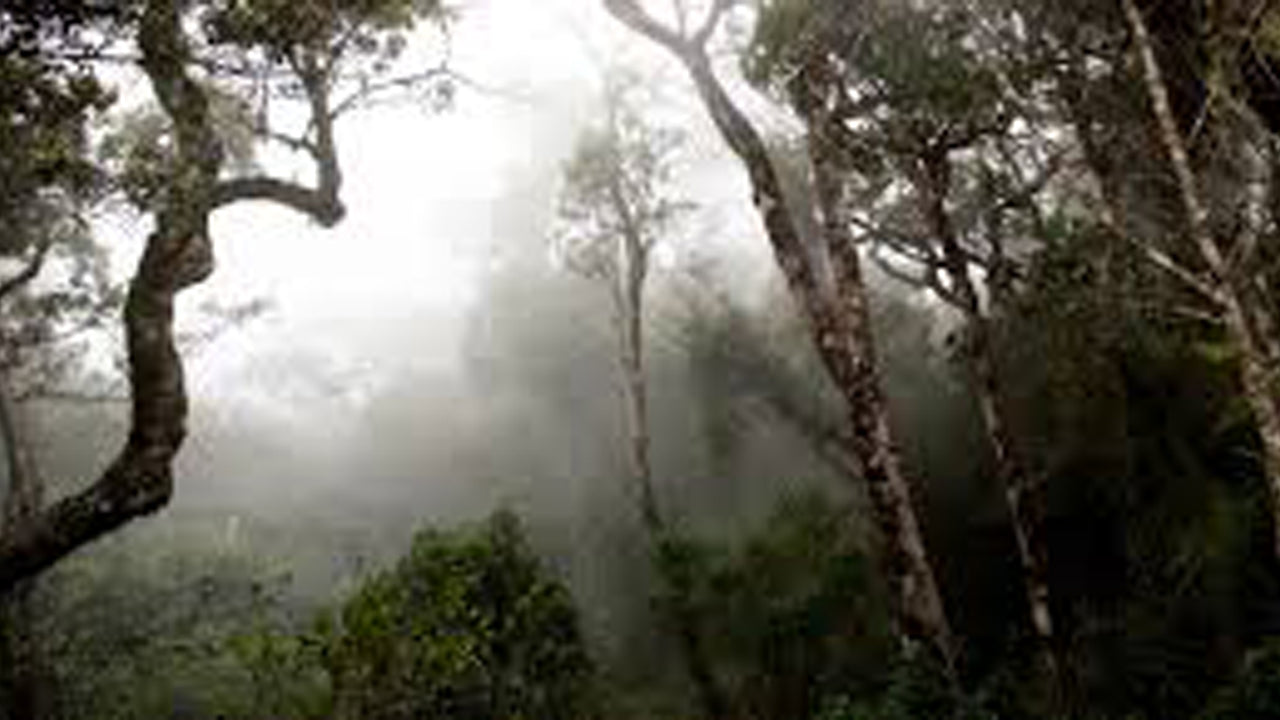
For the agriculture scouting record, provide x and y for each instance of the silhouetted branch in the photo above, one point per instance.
(28, 271)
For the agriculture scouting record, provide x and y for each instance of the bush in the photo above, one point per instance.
(467, 626)
(794, 613)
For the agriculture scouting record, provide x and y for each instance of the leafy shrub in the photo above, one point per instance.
(794, 612)
(467, 626)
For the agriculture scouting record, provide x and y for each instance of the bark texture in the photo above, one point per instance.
(178, 254)
(839, 323)
(1247, 320)
(1024, 497)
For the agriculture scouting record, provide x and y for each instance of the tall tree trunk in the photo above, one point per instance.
(1024, 497)
(839, 324)
(1245, 317)
(847, 343)
(22, 665)
(628, 301)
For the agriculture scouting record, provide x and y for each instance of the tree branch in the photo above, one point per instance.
(324, 209)
(1171, 137)
(708, 27)
(29, 271)
(139, 480)
(368, 91)
(634, 17)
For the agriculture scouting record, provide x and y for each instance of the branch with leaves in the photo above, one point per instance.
(179, 251)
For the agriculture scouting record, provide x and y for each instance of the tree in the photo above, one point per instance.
(925, 157)
(616, 206)
(798, 616)
(1227, 277)
(467, 625)
(309, 50)
(48, 178)
(825, 277)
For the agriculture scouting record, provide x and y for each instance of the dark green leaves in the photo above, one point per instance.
(467, 626)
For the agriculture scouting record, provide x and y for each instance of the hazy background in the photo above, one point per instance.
(425, 361)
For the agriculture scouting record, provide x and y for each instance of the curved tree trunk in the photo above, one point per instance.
(177, 255)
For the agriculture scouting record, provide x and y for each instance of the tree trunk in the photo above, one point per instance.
(839, 324)
(178, 254)
(628, 301)
(1024, 498)
(22, 667)
(1246, 319)
(139, 480)
(847, 343)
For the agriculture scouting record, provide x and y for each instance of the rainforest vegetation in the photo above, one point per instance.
(608, 359)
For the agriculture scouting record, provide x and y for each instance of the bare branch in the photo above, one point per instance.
(297, 144)
(634, 17)
(368, 91)
(76, 396)
(29, 271)
(708, 27)
(323, 208)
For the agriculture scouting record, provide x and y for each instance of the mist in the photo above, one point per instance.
(579, 360)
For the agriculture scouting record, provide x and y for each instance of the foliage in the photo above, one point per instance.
(618, 183)
(793, 611)
(1254, 694)
(284, 27)
(916, 59)
(286, 673)
(138, 150)
(466, 626)
(49, 176)
(150, 622)
(913, 691)
(43, 145)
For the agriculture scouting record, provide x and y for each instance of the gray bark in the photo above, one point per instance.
(627, 292)
(841, 331)
(1024, 498)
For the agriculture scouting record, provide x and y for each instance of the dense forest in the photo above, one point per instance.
(799, 359)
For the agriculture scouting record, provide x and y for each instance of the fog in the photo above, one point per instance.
(497, 402)
(426, 361)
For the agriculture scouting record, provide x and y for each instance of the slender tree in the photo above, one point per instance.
(44, 109)
(1225, 272)
(615, 207)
